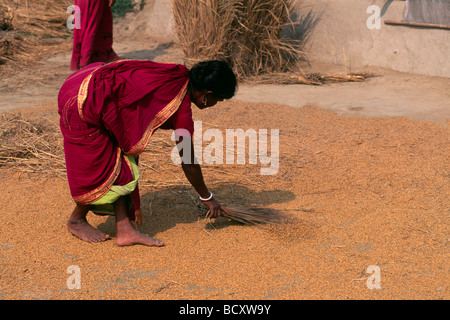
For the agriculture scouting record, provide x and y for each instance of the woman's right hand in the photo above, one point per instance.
(215, 209)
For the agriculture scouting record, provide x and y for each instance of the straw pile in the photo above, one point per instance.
(31, 145)
(247, 33)
(315, 78)
(31, 29)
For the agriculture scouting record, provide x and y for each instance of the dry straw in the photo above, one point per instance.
(31, 145)
(315, 78)
(31, 29)
(246, 33)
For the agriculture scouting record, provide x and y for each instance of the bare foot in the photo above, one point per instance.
(127, 235)
(132, 237)
(83, 230)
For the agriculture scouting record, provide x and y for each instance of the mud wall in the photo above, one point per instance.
(348, 33)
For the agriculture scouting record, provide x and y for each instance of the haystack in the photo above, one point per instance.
(31, 145)
(31, 29)
(247, 33)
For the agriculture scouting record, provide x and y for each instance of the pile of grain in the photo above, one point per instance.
(359, 192)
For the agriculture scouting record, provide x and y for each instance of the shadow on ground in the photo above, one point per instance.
(164, 209)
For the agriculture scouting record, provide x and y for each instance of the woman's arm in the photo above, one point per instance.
(193, 173)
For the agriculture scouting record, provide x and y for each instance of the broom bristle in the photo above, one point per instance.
(252, 215)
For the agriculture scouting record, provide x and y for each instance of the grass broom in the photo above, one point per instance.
(250, 215)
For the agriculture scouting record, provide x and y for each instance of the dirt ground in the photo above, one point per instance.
(361, 186)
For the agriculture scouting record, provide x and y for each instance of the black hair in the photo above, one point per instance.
(216, 76)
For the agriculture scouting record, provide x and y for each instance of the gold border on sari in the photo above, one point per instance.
(83, 91)
(158, 120)
(100, 191)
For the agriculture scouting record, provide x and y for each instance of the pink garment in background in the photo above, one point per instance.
(93, 41)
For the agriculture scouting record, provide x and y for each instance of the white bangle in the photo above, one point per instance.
(207, 199)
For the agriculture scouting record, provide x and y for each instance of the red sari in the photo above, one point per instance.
(107, 110)
(92, 42)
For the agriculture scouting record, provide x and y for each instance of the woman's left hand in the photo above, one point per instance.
(112, 3)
